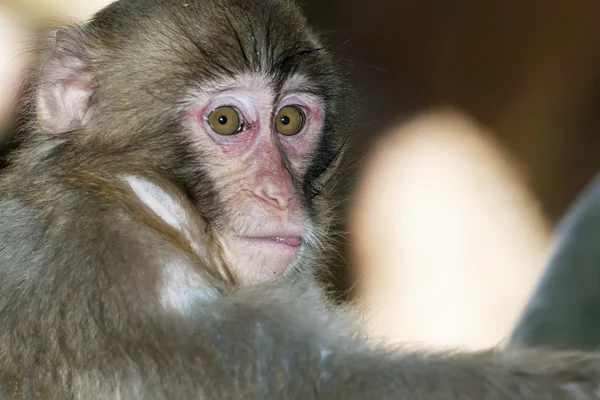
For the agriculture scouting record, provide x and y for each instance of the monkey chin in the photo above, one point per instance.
(258, 259)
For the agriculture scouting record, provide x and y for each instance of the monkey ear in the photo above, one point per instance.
(66, 83)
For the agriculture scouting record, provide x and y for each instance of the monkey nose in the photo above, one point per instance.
(277, 195)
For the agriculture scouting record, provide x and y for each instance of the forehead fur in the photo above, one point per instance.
(182, 41)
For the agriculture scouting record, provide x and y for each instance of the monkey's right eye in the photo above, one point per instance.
(225, 120)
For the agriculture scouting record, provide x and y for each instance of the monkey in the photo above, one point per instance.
(563, 310)
(165, 214)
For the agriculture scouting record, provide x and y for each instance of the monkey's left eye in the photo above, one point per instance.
(225, 120)
(289, 120)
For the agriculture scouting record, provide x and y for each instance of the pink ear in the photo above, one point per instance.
(66, 84)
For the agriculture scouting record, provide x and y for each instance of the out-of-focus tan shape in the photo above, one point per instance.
(448, 243)
(69, 10)
(19, 19)
(12, 59)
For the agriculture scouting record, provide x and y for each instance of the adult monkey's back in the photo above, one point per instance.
(160, 225)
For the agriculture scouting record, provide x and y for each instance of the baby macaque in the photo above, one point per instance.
(163, 218)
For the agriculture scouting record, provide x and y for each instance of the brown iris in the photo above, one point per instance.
(224, 120)
(289, 120)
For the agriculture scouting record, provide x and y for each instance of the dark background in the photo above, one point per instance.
(529, 71)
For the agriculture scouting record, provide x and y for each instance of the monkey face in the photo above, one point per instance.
(237, 123)
(258, 142)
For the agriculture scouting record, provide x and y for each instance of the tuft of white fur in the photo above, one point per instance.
(182, 287)
(159, 201)
(163, 205)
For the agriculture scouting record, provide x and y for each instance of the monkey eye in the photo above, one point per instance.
(289, 120)
(225, 120)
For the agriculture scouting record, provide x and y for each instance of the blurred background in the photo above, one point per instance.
(479, 124)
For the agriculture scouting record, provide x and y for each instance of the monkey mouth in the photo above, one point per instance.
(292, 241)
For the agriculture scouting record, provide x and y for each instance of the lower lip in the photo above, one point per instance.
(291, 241)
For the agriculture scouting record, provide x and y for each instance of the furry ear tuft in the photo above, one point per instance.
(66, 83)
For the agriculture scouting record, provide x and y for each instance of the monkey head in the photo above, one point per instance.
(245, 118)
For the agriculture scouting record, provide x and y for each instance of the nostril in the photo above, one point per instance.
(276, 195)
(274, 186)
(276, 199)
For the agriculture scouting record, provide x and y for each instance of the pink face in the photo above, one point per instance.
(264, 224)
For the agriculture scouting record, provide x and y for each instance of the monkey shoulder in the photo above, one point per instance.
(67, 224)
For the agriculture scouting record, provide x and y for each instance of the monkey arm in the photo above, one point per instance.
(293, 346)
(564, 311)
